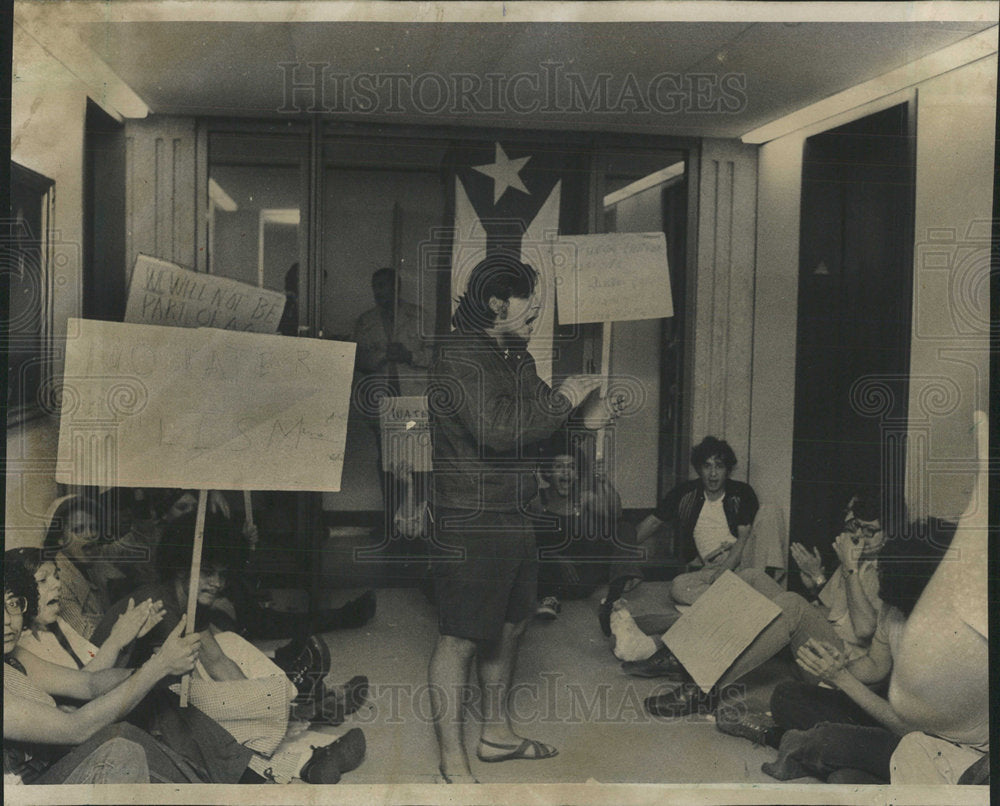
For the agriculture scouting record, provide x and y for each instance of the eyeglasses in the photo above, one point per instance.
(15, 605)
(868, 528)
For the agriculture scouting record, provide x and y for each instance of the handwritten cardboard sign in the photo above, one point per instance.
(615, 277)
(406, 434)
(162, 293)
(716, 629)
(146, 406)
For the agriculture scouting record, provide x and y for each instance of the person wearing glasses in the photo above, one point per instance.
(47, 744)
(844, 614)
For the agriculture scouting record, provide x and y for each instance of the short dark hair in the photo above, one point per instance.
(19, 581)
(385, 271)
(713, 448)
(223, 546)
(907, 562)
(866, 504)
(501, 275)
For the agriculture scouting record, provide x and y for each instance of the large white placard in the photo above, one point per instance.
(146, 406)
(162, 293)
(616, 277)
(716, 629)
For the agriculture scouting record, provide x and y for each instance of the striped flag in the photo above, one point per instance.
(507, 198)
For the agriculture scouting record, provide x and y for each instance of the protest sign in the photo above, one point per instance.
(406, 434)
(162, 293)
(146, 406)
(615, 277)
(721, 623)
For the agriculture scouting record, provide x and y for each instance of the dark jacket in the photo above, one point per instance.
(489, 409)
(682, 505)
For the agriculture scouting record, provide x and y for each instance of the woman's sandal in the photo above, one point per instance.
(538, 752)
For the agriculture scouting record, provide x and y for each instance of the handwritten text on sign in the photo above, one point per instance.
(616, 277)
(146, 406)
(406, 434)
(161, 293)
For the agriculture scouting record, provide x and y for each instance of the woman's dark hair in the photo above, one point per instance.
(907, 562)
(223, 546)
(502, 276)
(713, 447)
(55, 534)
(19, 581)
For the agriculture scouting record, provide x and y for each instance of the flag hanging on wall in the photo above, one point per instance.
(507, 197)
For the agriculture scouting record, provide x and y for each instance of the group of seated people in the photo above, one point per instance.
(889, 642)
(92, 682)
(863, 706)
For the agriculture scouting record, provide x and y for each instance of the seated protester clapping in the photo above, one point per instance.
(847, 733)
(842, 616)
(49, 636)
(47, 744)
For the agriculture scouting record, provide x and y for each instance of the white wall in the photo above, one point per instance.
(955, 130)
(48, 110)
(949, 352)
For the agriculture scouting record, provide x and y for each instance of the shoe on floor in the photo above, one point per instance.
(307, 669)
(327, 764)
(356, 613)
(340, 702)
(755, 726)
(548, 609)
(684, 700)
(661, 664)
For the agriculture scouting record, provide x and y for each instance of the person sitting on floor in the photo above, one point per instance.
(831, 619)
(50, 637)
(720, 523)
(847, 734)
(37, 732)
(582, 539)
(75, 542)
(235, 684)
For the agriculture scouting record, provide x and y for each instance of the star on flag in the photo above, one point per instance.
(504, 172)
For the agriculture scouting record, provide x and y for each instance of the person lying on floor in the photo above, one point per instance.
(848, 600)
(582, 539)
(48, 636)
(46, 744)
(77, 545)
(720, 523)
(847, 734)
(234, 683)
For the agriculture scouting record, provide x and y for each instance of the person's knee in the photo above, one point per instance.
(514, 630)
(791, 604)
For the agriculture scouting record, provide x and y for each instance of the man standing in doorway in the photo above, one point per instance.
(390, 337)
(490, 410)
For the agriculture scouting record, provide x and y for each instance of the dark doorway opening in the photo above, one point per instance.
(855, 295)
(105, 275)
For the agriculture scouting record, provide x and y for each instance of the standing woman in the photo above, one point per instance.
(490, 408)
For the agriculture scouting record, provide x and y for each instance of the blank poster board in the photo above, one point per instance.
(162, 293)
(617, 277)
(406, 434)
(716, 629)
(146, 406)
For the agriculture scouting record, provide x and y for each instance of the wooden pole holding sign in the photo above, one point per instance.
(605, 372)
(248, 516)
(194, 581)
